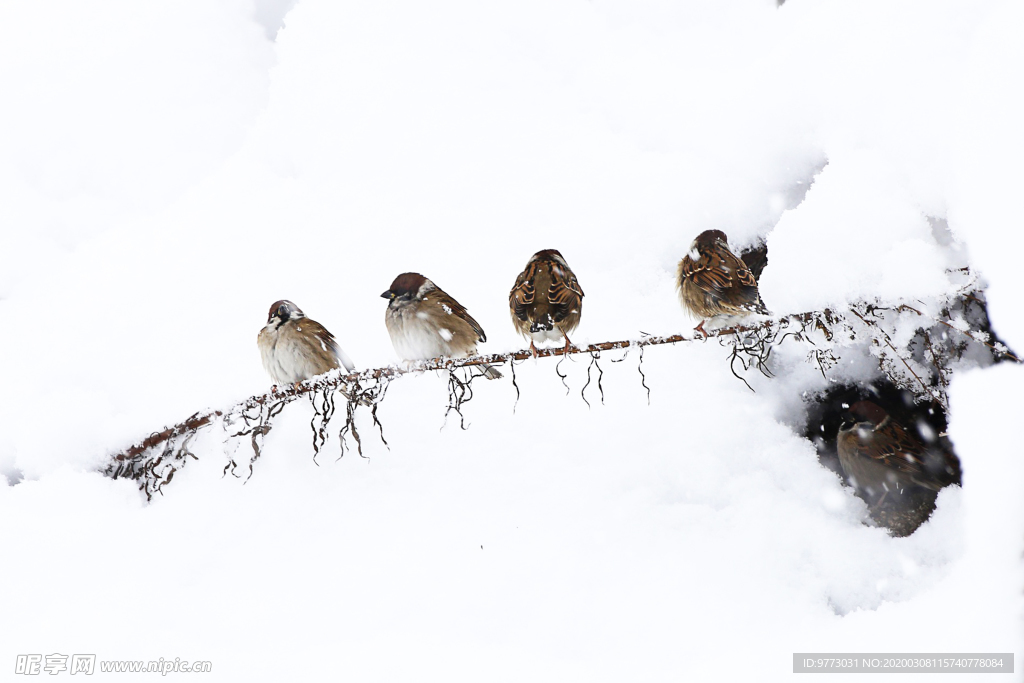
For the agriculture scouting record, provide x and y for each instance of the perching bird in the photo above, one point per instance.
(880, 455)
(547, 301)
(424, 322)
(712, 281)
(295, 348)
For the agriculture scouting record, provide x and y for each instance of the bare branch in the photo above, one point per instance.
(751, 345)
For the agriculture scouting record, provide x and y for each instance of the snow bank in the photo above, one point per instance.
(187, 172)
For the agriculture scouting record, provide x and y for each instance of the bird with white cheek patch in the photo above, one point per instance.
(424, 322)
(295, 348)
(547, 301)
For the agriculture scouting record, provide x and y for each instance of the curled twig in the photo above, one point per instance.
(512, 363)
(320, 433)
(643, 377)
(594, 356)
(460, 392)
(561, 375)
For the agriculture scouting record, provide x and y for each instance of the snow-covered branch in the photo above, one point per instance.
(154, 460)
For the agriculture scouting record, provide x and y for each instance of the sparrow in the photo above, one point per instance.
(712, 281)
(424, 322)
(547, 301)
(295, 348)
(880, 455)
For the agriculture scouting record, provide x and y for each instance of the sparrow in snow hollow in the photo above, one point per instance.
(424, 322)
(713, 281)
(295, 348)
(879, 455)
(547, 301)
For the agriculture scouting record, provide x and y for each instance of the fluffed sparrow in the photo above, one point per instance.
(880, 455)
(295, 348)
(547, 301)
(424, 322)
(712, 281)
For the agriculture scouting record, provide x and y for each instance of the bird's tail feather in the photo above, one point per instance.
(345, 360)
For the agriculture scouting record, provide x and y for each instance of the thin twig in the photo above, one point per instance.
(888, 342)
(1001, 351)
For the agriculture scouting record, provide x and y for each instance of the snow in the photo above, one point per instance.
(176, 169)
(886, 248)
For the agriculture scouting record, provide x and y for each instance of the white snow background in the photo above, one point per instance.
(168, 169)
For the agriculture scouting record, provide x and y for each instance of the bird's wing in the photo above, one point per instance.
(458, 310)
(725, 276)
(564, 292)
(522, 295)
(892, 446)
(320, 336)
(706, 272)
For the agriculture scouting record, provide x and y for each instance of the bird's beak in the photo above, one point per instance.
(388, 295)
